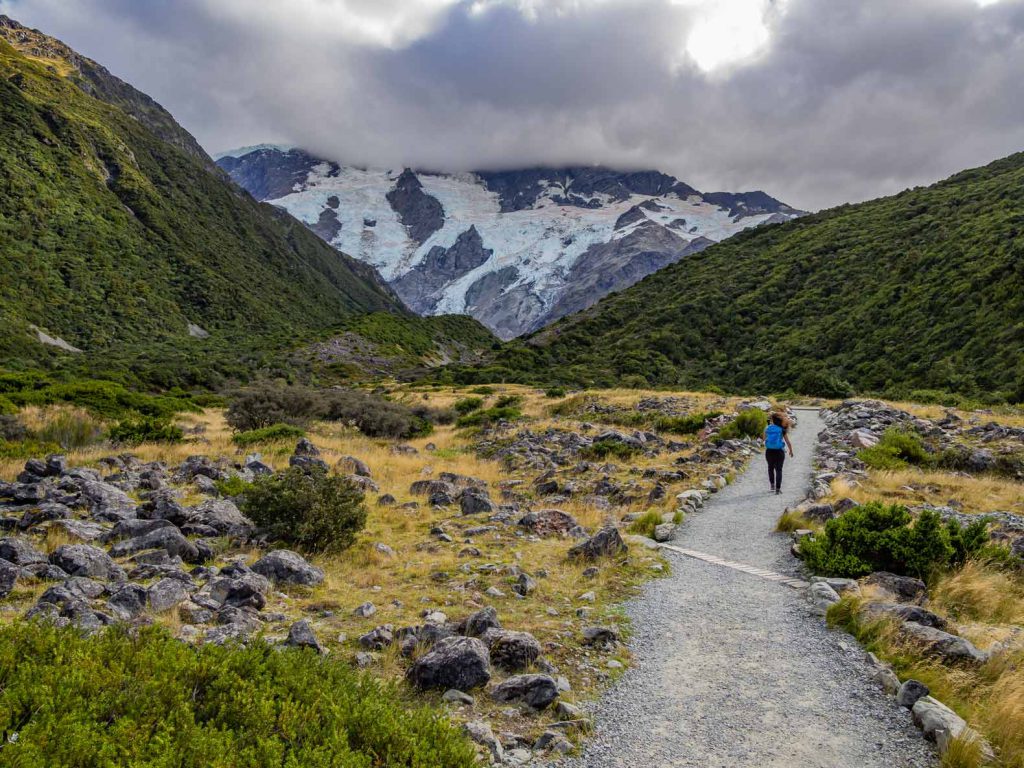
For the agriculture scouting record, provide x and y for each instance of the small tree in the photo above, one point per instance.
(309, 509)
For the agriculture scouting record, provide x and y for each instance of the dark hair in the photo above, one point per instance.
(778, 420)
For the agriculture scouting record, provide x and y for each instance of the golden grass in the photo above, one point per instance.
(794, 521)
(979, 593)
(916, 487)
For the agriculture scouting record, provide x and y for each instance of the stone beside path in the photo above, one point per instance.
(732, 668)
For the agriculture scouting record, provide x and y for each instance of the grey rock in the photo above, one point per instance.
(455, 696)
(9, 574)
(535, 691)
(224, 517)
(479, 622)
(524, 585)
(607, 542)
(512, 651)
(910, 692)
(166, 538)
(480, 732)
(354, 466)
(474, 501)
(454, 662)
(287, 567)
(128, 601)
(166, 594)
(301, 635)
(600, 637)
(905, 588)
(950, 648)
(904, 612)
(365, 610)
(107, 502)
(20, 551)
(378, 638)
(86, 560)
(665, 532)
(931, 715)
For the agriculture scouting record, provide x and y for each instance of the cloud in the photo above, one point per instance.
(815, 101)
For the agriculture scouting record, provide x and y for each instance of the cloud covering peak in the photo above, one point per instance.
(816, 101)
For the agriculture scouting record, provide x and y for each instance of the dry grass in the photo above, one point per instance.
(980, 593)
(794, 521)
(915, 487)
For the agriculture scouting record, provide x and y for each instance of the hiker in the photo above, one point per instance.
(776, 440)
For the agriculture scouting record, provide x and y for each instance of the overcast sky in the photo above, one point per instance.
(817, 102)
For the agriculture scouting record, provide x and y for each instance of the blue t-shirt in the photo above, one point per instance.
(773, 437)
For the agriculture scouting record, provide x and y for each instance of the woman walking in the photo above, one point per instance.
(776, 441)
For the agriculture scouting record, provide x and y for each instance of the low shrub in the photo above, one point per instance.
(103, 398)
(232, 486)
(374, 416)
(484, 390)
(555, 392)
(509, 401)
(468, 405)
(269, 434)
(140, 697)
(896, 450)
(310, 510)
(488, 417)
(7, 408)
(684, 425)
(876, 537)
(603, 449)
(26, 449)
(749, 423)
(822, 383)
(144, 429)
(646, 523)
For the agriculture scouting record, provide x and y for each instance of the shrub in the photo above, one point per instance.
(602, 450)
(373, 415)
(139, 697)
(265, 405)
(895, 450)
(267, 435)
(70, 429)
(145, 429)
(232, 485)
(11, 428)
(488, 417)
(876, 537)
(484, 390)
(468, 405)
(684, 425)
(508, 401)
(555, 392)
(7, 408)
(823, 383)
(749, 423)
(313, 511)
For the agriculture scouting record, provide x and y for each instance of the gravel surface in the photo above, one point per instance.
(732, 670)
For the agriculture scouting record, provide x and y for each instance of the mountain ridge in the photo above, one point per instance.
(535, 228)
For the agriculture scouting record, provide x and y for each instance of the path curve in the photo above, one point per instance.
(731, 670)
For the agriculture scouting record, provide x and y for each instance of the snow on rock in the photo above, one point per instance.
(532, 229)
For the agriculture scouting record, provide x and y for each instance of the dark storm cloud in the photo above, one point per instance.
(848, 99)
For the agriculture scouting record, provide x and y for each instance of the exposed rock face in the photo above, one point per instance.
(514, 249)
(421, 214)
(420, 288)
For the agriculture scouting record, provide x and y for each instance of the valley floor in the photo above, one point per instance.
(730, 668)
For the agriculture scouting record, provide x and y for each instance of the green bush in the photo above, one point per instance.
(488, 417)
(311, 510)
(269, 434)
(468, 405)
(7, 408)
(26, 449)
(264, 405)
(876, 537)
(749, 423)
(554, 392)
(684, 425)
(603, 449)
(508, 401)
(141, 698)
(232, 485)
(484, 390)
(103, 398)
(70, 430)
(646, 523)
(144, 429)
(895, 450)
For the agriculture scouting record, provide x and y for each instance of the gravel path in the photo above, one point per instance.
(732, 670)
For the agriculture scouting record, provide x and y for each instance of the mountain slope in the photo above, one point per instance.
(514, 249)
(121, 244)
(921, 290)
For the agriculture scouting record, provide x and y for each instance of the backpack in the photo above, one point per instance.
(773, 437)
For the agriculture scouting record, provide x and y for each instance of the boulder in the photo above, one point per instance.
(606, 542)
(128, 601)
(166, 594)
(107, 502)
(535, 691)
(379, 638)
(512, 651)
(480, 732)
(551, 522)
(905, 588)
(301, 635)
(8, 577)
(904, 612)
(46, 511)
(525, 585)
(224, 517)
(454, 662)
(286, 567)
(474, 501)
(665, 532)
(605, 638)
(479, 622)
(307, 456)
(168, 538)
(910, 692)
(130, 529)
(20, 551)
(354, 466)
(240, 590)
(931, 715)
(950, 648)
(86, 560)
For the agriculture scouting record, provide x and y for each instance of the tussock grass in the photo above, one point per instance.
(915, 487)
(980, 593)
(794, 521)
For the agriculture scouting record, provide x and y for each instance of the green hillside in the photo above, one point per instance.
(923, 290)
(115, 241)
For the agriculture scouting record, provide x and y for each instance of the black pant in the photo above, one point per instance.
(776, 458)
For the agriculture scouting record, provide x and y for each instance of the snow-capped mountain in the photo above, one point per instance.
(514, 249)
